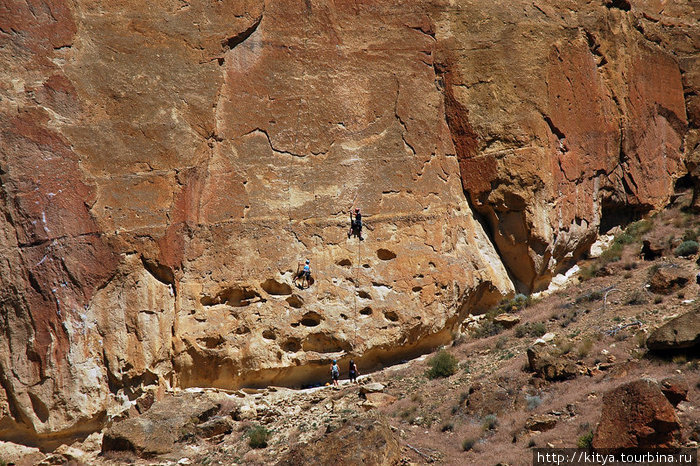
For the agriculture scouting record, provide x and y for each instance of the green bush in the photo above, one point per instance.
(687, 248)
(487, 328)
(534, 329)
(447, 427)
(490, 422)
(442, 364)
(258, 436)
(519, 302)
(585, 441)
(468, 443)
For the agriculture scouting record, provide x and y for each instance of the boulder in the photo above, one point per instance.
(374, 387)
(215, 426)
(666, 279)
(675, 389)
(652, 248)
(541, 423)
(378, 400)
(683, 332)
(507, 320)
(157, 431)
(549, 366)
(637, 415)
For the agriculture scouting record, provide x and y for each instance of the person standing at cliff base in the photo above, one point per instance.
(335, 373)
(353, 372)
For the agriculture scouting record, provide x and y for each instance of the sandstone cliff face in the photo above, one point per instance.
(165, 167)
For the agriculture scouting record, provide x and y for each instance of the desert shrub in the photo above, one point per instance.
(531, 443)
(487, 328)
(687, 248)
(533, 401)
(519, 302)
(468, 443)
(690, 235)
(443, 364)
(641, 339)
(637, 229)
(658, 300)
(589, 297)
(635, 298)
(258, 436)
(501, 343)
(679, 359)
(585, 441)
(447, 427)
(490, 422)
(612, 254)
(534, 329)
(563, 345)
(589, 272)
(585, 347)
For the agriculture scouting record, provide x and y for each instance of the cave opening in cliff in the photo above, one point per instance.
(620, 214)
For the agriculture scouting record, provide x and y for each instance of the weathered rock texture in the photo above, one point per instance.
(165, 165)
(637, 415)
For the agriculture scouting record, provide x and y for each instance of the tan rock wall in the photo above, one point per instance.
(165, 166)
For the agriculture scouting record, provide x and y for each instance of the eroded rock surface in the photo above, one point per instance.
(637, 415)
(164, 167)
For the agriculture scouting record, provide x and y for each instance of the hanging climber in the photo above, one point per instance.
(303, 274)
(356, 224)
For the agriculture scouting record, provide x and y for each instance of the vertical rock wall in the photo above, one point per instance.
(164, 168)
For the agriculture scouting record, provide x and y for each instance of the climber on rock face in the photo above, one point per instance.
(303, 274)
(356, 224)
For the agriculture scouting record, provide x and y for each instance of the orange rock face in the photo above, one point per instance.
(164, 169)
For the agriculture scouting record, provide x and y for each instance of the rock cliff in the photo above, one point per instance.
(165, 166)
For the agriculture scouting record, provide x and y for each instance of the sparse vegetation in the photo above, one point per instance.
(534, 329)
(490, 422)
(443, 364)
(447, 427)
(584, 348)
(487, 328)
(531, 443)
(468, 443)
(585, 441)
(258, 436)
(687, 248)
(637, 297)
(690, 235)
(533, 401)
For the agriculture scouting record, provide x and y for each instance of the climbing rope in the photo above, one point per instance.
(357, 266)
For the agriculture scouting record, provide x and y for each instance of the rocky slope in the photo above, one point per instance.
(164, 167)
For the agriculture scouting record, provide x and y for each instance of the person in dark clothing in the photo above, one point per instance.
(356, 224)
(353, 372)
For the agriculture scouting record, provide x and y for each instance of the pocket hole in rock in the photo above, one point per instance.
(242, 330)
(385, 254)
(292, 345)
(366, 311)
(364, 295)
(274, 287)
(391, 315)
(344, 263)
(311, 319)
(295, 301)
(211, 342)
(416, 289)
(269, 334)
(323, 343)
